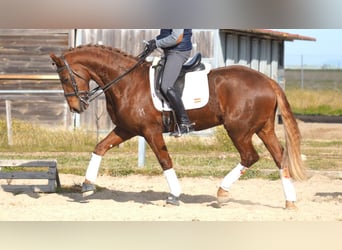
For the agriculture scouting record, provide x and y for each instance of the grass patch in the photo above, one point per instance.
(192, 156)
(310, 102)
(28, 137)
(323, 155)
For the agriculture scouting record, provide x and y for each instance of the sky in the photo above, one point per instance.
(326, 51)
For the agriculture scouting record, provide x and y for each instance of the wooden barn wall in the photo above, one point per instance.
(24, 59)
(95, 118)
(27, 51)
(131, 40)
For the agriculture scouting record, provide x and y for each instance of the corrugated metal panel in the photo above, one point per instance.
(244, 51)
(274, 60)
(232, 45)
(260, 49)
(265, 57)
(257, 53)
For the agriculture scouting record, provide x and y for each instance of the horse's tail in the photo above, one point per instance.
(292, 154)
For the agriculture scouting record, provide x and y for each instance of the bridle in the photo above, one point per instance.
(86, 97)
(81, 95)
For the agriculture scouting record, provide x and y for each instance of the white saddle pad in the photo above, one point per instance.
(196, 89)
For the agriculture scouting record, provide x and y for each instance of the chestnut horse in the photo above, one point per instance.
(243, 100)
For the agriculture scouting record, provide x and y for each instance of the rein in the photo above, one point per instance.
(87, 97)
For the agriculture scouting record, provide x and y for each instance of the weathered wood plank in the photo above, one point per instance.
(27, 51)
(29, 77)
(28, 163)
(27, 175)
(29, 84)
(25, 188)
(29, 32)
(51, 175)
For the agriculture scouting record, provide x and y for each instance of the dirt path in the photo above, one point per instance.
(141, 198)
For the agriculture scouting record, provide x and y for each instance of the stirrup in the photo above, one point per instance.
(181, 129)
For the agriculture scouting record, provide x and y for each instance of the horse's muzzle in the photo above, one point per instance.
(81, 108)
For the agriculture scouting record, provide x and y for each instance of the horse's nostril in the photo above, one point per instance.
(73, 110)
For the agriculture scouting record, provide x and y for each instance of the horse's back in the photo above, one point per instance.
(238, 74)
(242, 81)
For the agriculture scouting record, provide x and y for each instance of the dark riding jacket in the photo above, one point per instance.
(175, 39)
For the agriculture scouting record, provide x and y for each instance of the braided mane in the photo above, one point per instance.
(103, 47)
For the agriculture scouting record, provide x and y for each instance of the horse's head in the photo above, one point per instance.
(75, 83)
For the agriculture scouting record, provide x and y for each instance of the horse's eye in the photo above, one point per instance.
(64, 80)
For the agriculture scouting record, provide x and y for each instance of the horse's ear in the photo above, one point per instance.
(56, 60)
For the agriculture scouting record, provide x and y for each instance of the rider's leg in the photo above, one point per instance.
(173, 65)
(184, 124)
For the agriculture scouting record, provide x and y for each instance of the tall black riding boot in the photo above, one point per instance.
(184, 124)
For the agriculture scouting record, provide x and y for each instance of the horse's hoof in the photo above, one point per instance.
(222, 196)
(88, 189)
(290, 205)
(172, 200)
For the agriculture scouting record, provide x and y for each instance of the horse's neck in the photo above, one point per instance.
(108, 67)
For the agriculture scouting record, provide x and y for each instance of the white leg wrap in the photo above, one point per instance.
(288, 187)
(232, 177)
(173, 182)
(93, 167)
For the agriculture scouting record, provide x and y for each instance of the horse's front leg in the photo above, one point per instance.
(114, 138)
(157, 144)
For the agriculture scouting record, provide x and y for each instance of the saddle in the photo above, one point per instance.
(194, 64)
(192, 85)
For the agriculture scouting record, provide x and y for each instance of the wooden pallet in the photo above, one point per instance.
(29, 170)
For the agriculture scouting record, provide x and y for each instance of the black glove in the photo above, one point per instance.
(151, 45)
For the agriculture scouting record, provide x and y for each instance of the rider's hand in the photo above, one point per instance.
(151, 45)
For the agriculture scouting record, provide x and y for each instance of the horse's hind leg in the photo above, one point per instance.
(248, 155)
(270, 140)
(268, 136)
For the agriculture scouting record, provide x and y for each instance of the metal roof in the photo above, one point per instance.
(270, 34)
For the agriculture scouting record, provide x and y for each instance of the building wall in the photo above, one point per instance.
(25, 65)
(264, 55)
